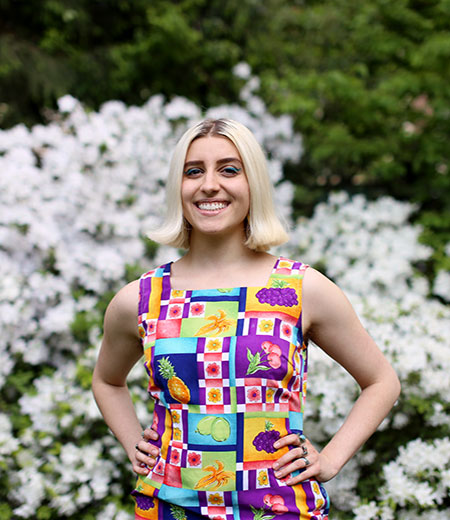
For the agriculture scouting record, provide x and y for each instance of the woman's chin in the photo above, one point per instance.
(212, 232)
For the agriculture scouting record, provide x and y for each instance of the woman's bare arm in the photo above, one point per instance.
(120, 351)
(331, 322)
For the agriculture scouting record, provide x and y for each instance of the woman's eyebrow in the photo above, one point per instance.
(228, 160)
(220, 161)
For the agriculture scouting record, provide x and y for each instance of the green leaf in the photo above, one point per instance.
(254, 365)
(44, 513)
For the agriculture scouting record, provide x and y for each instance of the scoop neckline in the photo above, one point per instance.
(169, 265)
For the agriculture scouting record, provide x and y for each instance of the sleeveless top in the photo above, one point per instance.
(227, 372)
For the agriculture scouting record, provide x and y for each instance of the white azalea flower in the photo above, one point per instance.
(67, 103)
(242, 70)
(441, 285)
(367, 512)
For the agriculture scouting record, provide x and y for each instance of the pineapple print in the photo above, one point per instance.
(177, 387)
(178, 512)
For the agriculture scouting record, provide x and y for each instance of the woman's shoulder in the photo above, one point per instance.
(124, 305)
(324, 301)
(316, 284)
(121, 316)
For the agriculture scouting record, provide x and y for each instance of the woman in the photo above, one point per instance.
(224, 331)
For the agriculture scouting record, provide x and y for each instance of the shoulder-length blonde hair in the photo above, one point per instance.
(264, 228)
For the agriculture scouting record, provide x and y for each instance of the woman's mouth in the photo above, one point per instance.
(211, 206)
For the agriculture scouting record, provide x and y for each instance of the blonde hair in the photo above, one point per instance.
(264, 228)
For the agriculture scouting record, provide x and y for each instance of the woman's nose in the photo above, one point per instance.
(210, 182)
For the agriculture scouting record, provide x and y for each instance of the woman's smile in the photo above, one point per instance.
(211, 206)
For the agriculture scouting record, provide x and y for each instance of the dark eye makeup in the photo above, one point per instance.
(192, 171)
(229, 170)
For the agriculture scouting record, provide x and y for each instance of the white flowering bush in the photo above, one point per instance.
(417, 483)
(78, 196)
(370, 250)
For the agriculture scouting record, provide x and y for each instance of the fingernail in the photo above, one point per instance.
(277, 474)
(154, 453)
(276, 444)
(275, 466)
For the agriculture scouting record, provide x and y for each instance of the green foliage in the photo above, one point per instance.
(81, 326)
(437, 234)
(44, 513)
(367, 85)
(20, 382)
(5, 512)
(105, 50)
(150, 248)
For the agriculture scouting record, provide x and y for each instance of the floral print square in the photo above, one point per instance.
(213, 370)
(214, 395)
(196, 310)
(174, 311)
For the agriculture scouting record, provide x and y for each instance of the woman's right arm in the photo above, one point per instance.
(120, 351)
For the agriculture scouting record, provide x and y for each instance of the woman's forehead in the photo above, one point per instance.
(212, 148)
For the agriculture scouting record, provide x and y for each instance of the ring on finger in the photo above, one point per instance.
(138, 449)
(301, 438)
(304, 450)
(305, 460)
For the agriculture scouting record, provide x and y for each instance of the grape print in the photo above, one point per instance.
(144, 502)
(278, 294)
(264, 440)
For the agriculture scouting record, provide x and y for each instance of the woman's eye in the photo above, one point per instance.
(192, 171)
(231, 170)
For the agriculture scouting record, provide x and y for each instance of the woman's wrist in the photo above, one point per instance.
(333, 463)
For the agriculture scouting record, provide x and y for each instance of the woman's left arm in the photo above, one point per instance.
(330, 321)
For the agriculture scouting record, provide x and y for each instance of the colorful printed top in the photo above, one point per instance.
(227, 371)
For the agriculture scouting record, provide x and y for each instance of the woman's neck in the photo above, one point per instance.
(221, 263)
(217, 252)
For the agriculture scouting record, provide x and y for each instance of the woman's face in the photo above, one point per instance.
(214, 192)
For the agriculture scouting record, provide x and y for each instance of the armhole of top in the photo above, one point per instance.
(141, 304)
(301, 273)
(145, 286)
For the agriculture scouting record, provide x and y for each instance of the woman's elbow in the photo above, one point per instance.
(395, 385)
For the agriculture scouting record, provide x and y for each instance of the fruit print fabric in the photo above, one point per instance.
(227, 372)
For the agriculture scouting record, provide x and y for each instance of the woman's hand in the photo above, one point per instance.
(303, 456)
(145, 453)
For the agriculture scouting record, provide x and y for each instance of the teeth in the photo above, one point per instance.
(211, 206)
